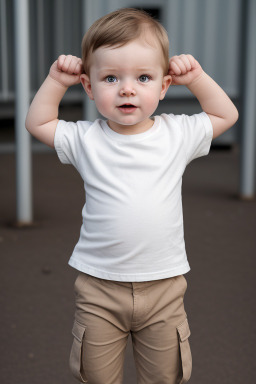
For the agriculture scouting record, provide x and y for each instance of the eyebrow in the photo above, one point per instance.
(107, 69)
(139, 69)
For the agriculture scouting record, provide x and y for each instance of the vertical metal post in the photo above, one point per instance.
(247, 170)
(91, 11)
(41, 40)
(4, 49)
(23, 142)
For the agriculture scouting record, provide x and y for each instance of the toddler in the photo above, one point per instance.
(131, 254)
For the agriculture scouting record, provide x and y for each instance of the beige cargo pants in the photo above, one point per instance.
(152, 312)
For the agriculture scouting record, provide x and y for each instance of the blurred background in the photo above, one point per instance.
(41, 200)
(212, 31)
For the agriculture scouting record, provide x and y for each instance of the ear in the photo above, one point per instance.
(167, 80)
(86, 83)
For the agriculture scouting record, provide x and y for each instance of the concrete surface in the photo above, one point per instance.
(36, 284)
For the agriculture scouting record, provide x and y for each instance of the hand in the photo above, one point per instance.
(184, 69)
(67, 70)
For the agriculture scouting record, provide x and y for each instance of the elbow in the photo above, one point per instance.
(232, 119)
(222, 125)
(28, 123)
(235, 115)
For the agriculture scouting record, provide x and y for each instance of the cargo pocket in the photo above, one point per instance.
(185, 352)
(75, 361)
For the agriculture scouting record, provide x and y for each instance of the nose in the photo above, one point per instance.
(127, 89)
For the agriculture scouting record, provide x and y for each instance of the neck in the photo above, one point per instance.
(131, 129)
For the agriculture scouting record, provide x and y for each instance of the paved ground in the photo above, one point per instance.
(36, 284)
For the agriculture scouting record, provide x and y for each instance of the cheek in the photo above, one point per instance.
(152, 99)
(103, 99)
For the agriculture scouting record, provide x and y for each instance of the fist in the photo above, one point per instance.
(67, 70)
(184, 69)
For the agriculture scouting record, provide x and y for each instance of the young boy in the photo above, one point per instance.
(131, 253)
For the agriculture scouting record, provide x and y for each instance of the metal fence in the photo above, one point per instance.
(208, 29)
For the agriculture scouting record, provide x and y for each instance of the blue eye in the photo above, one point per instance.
(111, 79)
(144, 78)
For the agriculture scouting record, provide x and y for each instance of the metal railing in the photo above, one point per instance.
(208, 29)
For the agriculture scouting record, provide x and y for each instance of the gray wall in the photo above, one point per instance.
(210, 30)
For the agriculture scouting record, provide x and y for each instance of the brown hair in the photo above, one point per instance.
(120, 27)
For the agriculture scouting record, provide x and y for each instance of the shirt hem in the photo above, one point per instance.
(140, 277)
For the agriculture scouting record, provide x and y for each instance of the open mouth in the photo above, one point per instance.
(128, 108)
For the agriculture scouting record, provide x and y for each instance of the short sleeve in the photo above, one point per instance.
(68, 140)
(197, 134)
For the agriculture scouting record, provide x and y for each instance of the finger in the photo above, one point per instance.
(79, 67)
(176, 67)
(181, 64)
(73, 65)
(192, 61)
(60, 61)
(76, 79)
(186, 62)
(66, 64)
(173, 67)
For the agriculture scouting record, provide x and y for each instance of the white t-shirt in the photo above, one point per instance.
(132, 226)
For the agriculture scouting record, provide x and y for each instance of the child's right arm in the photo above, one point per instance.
(42, 117)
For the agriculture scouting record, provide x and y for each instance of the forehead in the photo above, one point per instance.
(136, 53)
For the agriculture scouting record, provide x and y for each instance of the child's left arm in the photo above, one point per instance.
(185, 70)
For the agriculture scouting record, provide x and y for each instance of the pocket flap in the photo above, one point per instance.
(78, 331)
(184, 331)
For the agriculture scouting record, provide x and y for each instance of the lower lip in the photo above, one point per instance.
(127, 109)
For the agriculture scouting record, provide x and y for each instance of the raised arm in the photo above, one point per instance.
(42, 117)
(185, 70)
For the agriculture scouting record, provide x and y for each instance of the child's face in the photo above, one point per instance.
(127, 84)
